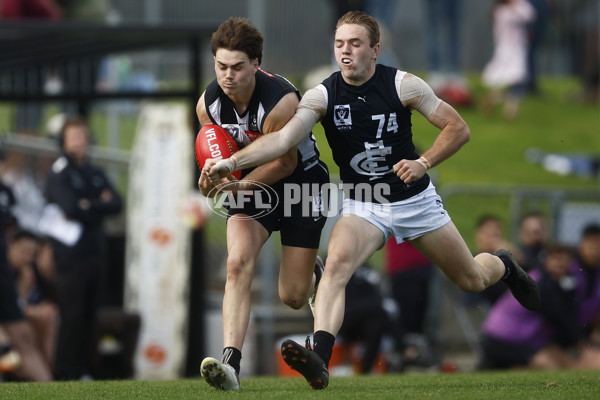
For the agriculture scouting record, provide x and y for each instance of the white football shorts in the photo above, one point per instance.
(404, 219)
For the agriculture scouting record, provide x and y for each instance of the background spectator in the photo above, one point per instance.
(384, 11)
(515, 337)
(583, 42)
(585, 268)
(32, 365)
(17, 173)
(85, 197)
(536, 31)
(505, 75)
(443, 40)
(41, 312)
(533, 237)
(444, 51)
(489, 237)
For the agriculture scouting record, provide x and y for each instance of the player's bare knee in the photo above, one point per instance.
(293, 297)
(294, 302)
(338, 269)
(237, 267)
(337, 260)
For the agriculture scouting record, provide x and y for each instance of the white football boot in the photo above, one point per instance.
(218, 375)
(319, 268)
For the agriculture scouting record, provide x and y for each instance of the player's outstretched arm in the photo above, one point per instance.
(262, 150)
(273, 145)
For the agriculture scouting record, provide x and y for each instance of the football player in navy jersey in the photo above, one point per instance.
(250, 102)
(365, 109)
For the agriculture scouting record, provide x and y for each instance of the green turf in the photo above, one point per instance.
(460, 386)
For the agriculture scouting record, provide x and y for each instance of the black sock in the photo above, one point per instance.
(507, 266)
(323, 345)
(233, 357)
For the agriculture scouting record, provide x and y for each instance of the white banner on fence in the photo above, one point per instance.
(158, 240)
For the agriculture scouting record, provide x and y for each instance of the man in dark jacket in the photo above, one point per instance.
(85, 197)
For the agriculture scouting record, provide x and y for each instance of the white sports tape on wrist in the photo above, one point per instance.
(422, 163)
(426, 161)
(227, 164)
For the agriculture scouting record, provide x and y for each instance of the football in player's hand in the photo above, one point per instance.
(215, 142)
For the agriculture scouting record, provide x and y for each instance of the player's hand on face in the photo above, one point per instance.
(409, 170)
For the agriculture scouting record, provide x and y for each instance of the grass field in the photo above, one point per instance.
(578, 385)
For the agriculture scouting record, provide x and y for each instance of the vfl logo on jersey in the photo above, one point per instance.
(342, 116)
(237, 133)
(372, 160)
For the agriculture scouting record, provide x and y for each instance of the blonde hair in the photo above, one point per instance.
(362, 19)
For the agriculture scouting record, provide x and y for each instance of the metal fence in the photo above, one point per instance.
(567, 209)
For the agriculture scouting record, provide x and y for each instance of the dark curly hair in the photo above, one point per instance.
(238, 34)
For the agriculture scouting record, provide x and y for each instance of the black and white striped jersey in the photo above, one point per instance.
(247, 127)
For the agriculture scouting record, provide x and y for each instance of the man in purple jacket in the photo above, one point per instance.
(515, 337)
(585, 269)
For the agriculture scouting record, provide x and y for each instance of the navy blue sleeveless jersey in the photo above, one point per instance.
(369, 130)
(246, 128)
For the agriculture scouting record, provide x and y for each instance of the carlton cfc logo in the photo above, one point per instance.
(372, 161)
